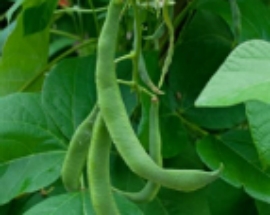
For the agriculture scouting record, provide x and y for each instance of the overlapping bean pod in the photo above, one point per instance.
(116, 119)
(150, 190)
(98, 169)
(77, 151)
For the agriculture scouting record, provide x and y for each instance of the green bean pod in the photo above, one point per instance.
(116, 118)
(169, 56)
(98, 171)
(77, 152)
(150, 190)
(146, 78)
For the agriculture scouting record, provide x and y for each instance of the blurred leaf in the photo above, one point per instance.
(192, 203)
(255, 20)
(173, 134)
(69, 204)
(258, 114)
(263, 208)
(226, 200)
(59, 44)
(205, 43)
(29, 174)
(4, 35)
(241, 165)
(243, 76)
(25, 128)
(78, 203)
(24, 57)
(37, 17)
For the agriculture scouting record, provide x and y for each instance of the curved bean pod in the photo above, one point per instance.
(150, 190)
(116, 119)
(77, 152)
(98, 171)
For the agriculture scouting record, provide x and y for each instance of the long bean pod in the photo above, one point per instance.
(150, 190)
(98, 171)
(77, 152)
(116, 118)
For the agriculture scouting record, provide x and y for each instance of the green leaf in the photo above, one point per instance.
(25, 128)
(241, 165)
(193, 203)
(263, 208)
(206, 42)
(258, 114)
(173, 135)
(69, 93)
(70, 203)
(78, 203)
(255, 22)
(37, 17)
(4, 35)
(243, 76)
(125, 206)
(29, 52)
(29, 174)
(226, 200)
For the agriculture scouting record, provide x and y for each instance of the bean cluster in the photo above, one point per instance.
(109, 122)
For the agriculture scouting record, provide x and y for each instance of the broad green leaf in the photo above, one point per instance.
(206, 42)
(125, 206)
(69, 92)
(192, 203)
(243, 76)
(24, 57)
(29, 174)
(224, 199)
(173, 135)
(25, 128)
(68, 204)
(37, 17)
(258, 114)
(241, 165)
(78, 203)
(255, 21)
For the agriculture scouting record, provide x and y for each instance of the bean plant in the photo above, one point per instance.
(132, 107)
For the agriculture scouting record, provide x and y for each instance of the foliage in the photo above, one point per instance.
(214, 108)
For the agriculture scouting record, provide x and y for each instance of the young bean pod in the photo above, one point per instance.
(150, 190)
(169, 56)
(77, 152)
(116, 118)
(98, 171)
(145, 76)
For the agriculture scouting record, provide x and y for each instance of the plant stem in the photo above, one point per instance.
(131, 55)
(192, 126)
(79, 10)
(53, 62)
(90, 2)
(137, 86)
(65, 34)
